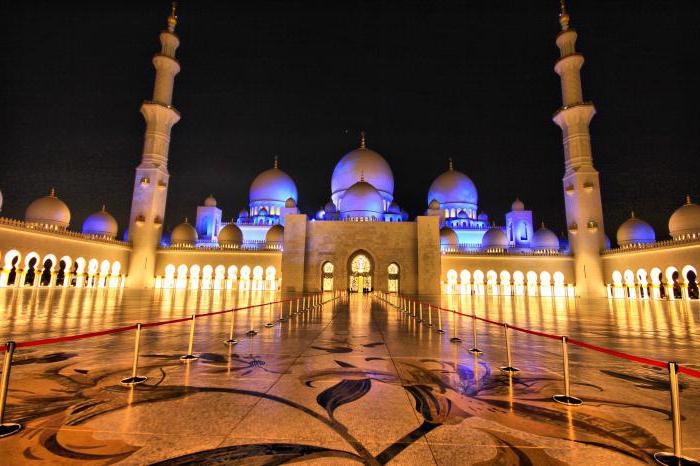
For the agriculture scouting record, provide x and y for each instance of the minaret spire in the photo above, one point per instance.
(363, 141)
(152, 177)
(450, 165)
(276, 163)
(563, 16)
(172, 19)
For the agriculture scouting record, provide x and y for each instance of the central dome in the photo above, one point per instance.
(453, 187)
(362, 163)
(273, 185)
(362, 200)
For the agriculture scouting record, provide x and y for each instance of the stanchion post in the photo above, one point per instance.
(439, 313)
(509, 366)
(455, 338)
(135, 378)
(7, 428)
(420, 312)
(231, 340)
(269, 323)
(430, 316)
(676, 457)
(566, 398)
(190, 355)
(475, 349)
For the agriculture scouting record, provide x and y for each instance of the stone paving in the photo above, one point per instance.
(353, 382)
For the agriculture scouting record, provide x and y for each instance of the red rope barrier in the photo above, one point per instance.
(82, 336)
(619, 354)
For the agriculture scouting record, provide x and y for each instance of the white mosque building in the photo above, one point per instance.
(360, 239)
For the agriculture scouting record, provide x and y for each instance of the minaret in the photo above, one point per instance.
(584, 210)
(151, 182)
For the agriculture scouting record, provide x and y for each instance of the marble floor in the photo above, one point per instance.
(352, 382)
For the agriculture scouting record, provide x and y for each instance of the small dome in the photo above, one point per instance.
(230, 234)
(545, 239)
(362, 163)
(101, 223)
(362, 200)
(263, 212)
(634, 231)
(448, 238)
(210, 201)
(272, 185)
(394, 208)
(685, 220)
(462, 214)
(243, 213)
(329, 208)
(494, 238)
(184, 233)
(434, 204)
(453, 187)
(48, 210)
(483, 217)
(275, 234)
(517, 205)
(290, 203)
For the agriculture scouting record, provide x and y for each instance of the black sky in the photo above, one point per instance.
(426, 80)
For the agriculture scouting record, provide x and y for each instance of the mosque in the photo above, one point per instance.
(361, 239)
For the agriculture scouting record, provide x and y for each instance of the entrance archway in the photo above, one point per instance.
(327, 276)
(360, 273)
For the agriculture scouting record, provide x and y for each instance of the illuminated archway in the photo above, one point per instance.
(360, 272)
(327, 276)
(393, 277)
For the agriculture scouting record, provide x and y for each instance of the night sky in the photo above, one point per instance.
(426, 80)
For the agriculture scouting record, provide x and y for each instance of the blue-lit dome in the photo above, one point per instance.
(101, 223)
(453, 187)
(362, 200)
(362, 163)
(273, 185)
(545, 239)
(494, 238)
(634, 231)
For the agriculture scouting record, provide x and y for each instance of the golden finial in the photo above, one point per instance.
(563, 16)
(104, 208)
(276, 163)
(632, 214)
(450, 165)
(172, 19)
(363, 141)
(362, 176)
(52, 193)
(542, 224)
(186, 220)
(687, 199)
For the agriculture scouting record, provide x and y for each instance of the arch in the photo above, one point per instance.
(656, 276)
(257, 272)
(50, 258)
(518, 278)
(504, 277)
(558, 278)
(169, 280)
(327, 273)
(93, 266)
(451, 277)
(673, 277)
(47, 267)
(690, 277)
(105, 267)
(394, 274)
(181, 281)
(245, 272)
(465, 277)
(531, 278)
(31, 263)
(360, 268)
(478, 277)
(29, 257)
(220, 272)
(10, 257)
(270, 273)
(617, 278)
(491, 277)
(116, 268)
(207, 274)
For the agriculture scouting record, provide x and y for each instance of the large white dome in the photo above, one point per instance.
(362, 163)
(273, 185)
(362, 200)
(634, 231)
(48, 210)
(453, 187)
(685, 220)
(101, 223)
